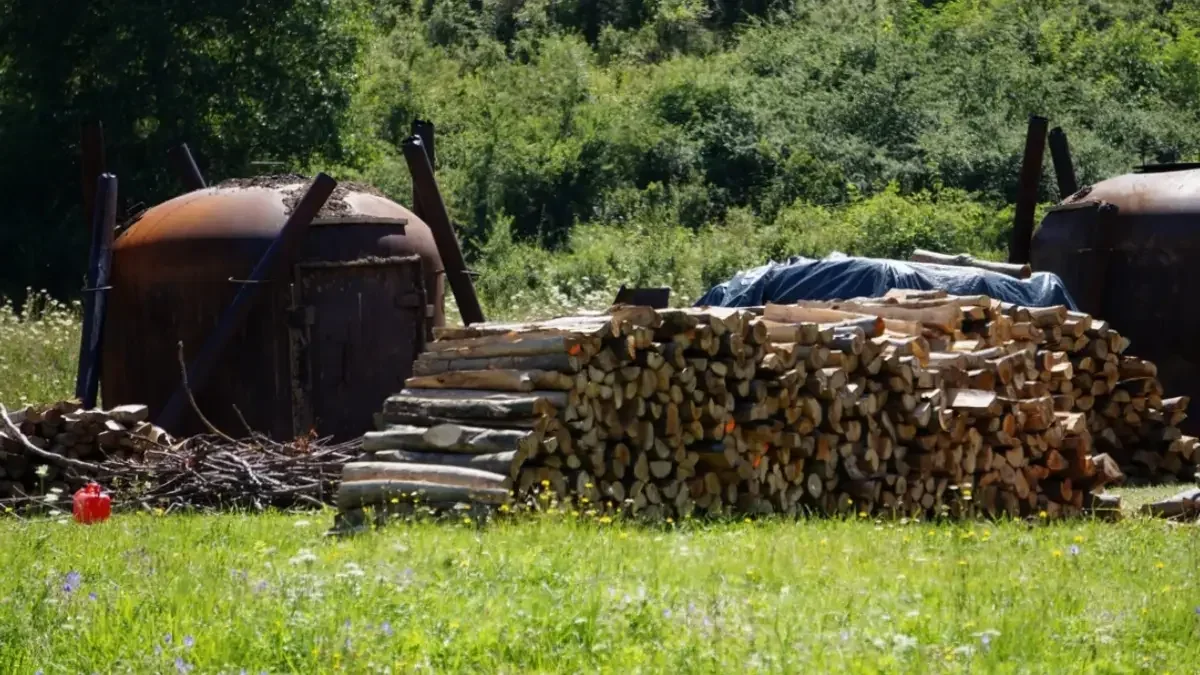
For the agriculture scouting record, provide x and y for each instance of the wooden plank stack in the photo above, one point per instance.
(915, 404)
(67, 430)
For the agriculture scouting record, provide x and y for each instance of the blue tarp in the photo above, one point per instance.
(840, 277)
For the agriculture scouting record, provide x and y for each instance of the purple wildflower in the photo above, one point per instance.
(1074, 550)
(666, 613)
(386, 628)
(189, 641)
(346, 625)
(182, 667)
(349, 645)
(260, 586)
(986, 641)
(92, 597)
(72, 582)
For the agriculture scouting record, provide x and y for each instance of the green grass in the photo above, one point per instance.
(39, 349)
(552, 594)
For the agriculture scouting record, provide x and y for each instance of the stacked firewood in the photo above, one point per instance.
(47, 452)
(64, 430)
(915, 404)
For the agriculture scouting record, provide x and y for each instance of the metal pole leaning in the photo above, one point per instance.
(95, 295)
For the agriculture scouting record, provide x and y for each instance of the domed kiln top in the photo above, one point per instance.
(1156, 189)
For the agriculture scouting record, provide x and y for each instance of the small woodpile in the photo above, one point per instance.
(65, 430)
(48, 452)
(915, 404)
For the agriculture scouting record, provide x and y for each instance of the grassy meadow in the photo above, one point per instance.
(569, 592)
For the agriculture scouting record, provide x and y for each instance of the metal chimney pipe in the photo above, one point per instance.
(1064, 169)
(1027, 191)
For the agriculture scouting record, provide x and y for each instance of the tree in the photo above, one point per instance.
(238, 81)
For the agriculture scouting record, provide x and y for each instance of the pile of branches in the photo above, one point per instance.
(208, 472)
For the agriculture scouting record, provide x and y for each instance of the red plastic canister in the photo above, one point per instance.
(92, 504)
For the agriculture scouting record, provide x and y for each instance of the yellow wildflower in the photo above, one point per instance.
(1057, 553)
(1043, 514)
(605, 520)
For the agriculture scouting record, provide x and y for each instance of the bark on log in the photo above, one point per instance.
(964, 260)
(381, 492)
(451, 438)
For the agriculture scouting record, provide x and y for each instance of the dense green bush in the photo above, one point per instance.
(638, 141)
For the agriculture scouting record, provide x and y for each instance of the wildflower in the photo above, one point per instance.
(304, 556)
(746, 520)
(604, 520)
(386, 628)
(395, 500)
(1043, 515)
(189, 641)
(545, 483)
(92, 597)
(862, 514)
(1159, 565)
(72, 582)
(1078, 539)
(181, 666)
(1074, 550)
(667, 613)
(623, 535)
(504, 508)
(670, 520)
(1057, 553)
(962, 563)
(167, 638)
(42, 471)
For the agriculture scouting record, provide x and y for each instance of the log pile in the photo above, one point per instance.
(917, 404)
(65, 430)
(48, 452)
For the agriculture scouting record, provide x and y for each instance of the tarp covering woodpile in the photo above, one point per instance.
(916, 404)
(839, 276)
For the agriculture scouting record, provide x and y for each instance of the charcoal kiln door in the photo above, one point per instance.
(357, 328)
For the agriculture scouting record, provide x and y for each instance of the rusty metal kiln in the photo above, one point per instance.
(1128, 249)
(296, 311)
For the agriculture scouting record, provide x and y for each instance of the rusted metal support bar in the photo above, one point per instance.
(424, 130)
(95, 296)
(91, 149)
(1027, 191)
(429, 197)
(185, 169)
(1064, 169)
(273, 263)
